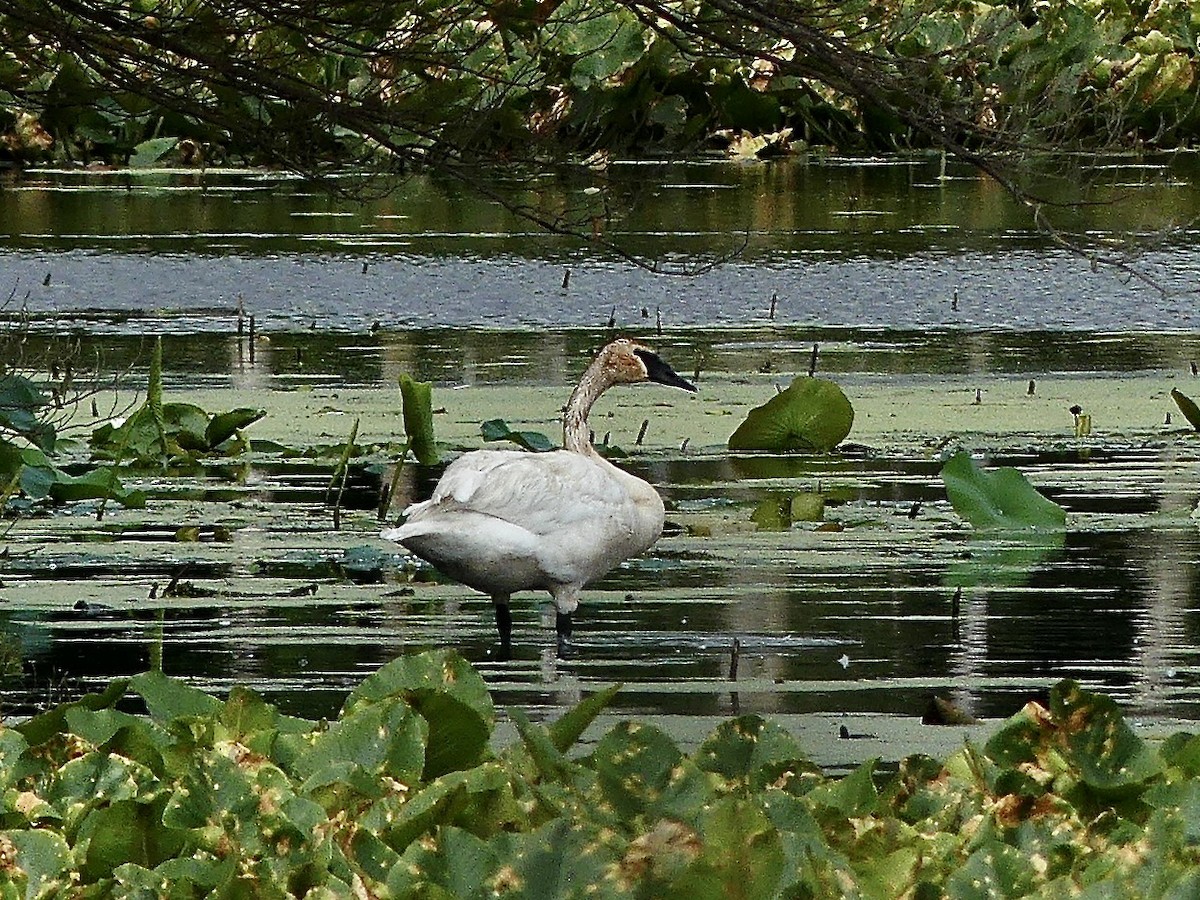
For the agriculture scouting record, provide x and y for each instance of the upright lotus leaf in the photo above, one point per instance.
(126, 832)
(98, 484)
(743, 850)
(853, 796)
(416, 400)
(741, 748)
(375, 740)
(168, 698)
(455, 860)
(1004, 869)
(635, 765)
(998, 499)
(811, 415)
(1083, 732)
(1109, 755)
(52, 722)
(449, 694)
(1188, 407)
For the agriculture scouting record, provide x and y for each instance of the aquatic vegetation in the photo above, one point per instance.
(407, 792)
(27, 440)
(812, 414)
(1000, 498)
(416, 399)
(1187, 406)
(161, 434)
(498, 430)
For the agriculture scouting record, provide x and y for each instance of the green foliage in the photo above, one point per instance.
(498, 430)
(230, 798)
(161, 434)
(1188, 407)
(514, 78)
(999, 498)
(27, 440)
(417, 408)
(812, 414)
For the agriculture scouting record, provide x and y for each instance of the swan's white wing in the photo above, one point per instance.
(542, 492)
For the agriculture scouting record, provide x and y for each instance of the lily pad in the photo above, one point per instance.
(1001, 498)
(811, 415)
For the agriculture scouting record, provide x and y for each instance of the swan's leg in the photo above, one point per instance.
(562, 625)
(503, 624)
(566, 601)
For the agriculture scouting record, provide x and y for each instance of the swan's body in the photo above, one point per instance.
(503, 521)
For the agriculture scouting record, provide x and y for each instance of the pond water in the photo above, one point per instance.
(922, 294)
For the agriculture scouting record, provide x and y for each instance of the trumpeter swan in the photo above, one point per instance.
(502, 521)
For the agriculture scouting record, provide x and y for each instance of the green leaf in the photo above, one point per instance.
(97, 484)
(21, 401)
(743, 849)
(449, 694)
(812, 414)
(566, 730)
(635, 765)
(125, 832)
(740, 748)
(46, 725)
(549, 760)
(168, 698)
(852, 796)
(998, 499)
(225, 425)
(149, 152)
(374, 740)
(416, 400)
(993, 870)
(498, 430)
(45, 859)
(1188, 407)
(1108, 753)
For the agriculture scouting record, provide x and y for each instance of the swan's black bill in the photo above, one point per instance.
(657, 370)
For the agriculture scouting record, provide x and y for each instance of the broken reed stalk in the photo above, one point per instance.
(642, 432)
(812, 362)
(342, 469)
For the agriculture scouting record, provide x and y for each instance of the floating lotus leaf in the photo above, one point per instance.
(1001, 498)
(498, 430)
(811, 415)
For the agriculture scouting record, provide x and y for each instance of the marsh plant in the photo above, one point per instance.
(408, 793)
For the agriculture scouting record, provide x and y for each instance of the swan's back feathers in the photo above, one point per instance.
(507, 520)
(542, 492)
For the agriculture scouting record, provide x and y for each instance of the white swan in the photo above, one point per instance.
(503, 521)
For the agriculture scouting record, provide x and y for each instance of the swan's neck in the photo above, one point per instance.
(576, 433)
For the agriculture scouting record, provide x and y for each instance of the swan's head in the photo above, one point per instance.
(628, 362)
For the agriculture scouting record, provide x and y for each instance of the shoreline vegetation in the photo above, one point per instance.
(511, 83)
